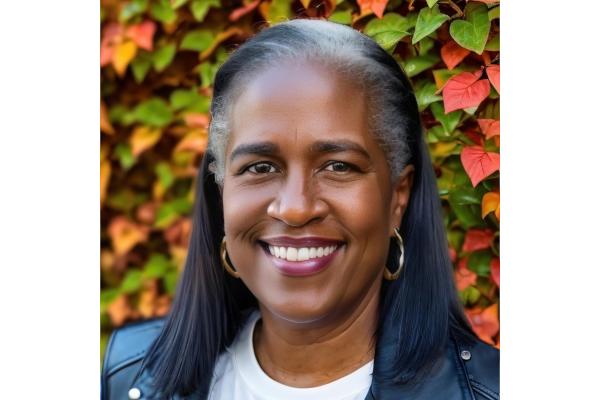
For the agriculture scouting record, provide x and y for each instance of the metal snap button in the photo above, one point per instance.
(465, 355)
(134, 393)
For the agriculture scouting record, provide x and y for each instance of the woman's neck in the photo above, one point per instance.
(308, 357)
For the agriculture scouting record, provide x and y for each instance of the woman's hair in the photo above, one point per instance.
(419, 311)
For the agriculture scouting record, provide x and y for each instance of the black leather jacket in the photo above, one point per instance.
(466, 372)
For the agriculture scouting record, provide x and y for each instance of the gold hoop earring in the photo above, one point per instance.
(224, 261)
(386, 272)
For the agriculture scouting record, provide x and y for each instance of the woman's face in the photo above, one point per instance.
(304, 174)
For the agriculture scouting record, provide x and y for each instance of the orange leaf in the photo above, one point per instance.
(105, 125)
(485, 322)
(196, 120)
(305, 3)
(119, 310)
(196, 140)
(489, 203)
(452, 54)
(125, 234)
(495, 268)
(463, 276)
(143, 138)
(241, 11)
(493, 73)
(465, 90)
(489, 127)
(477, 239)
(479, 163)
(104, 179)
(124, 53)
(142, 34)
(377, 6)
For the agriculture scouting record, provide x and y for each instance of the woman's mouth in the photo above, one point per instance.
(300, 261)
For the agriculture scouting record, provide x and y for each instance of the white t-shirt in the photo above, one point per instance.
(238, 376)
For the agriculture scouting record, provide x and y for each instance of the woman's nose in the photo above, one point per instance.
(297, 203)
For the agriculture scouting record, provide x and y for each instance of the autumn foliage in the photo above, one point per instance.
(158, 60)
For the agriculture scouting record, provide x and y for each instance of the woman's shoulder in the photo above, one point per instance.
(482, 364)
(125, 351)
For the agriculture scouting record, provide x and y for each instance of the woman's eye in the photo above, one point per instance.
(338, 166)
(261, 168)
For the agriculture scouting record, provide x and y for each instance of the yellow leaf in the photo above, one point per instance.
(104, 179)
(489, 203)
(221, 37)
(124, 53)
(442, 149)
(143, 138)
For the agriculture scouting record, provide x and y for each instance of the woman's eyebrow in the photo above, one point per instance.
(337, 146)
(260, 148)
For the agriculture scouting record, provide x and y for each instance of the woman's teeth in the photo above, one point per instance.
(300, 254)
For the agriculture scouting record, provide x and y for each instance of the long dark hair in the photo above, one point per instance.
(419, 311)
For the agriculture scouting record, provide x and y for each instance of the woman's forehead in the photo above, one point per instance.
(298, 102)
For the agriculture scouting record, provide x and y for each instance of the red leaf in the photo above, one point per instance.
(112, 34)
(241, 11)
(452, 254)
(465, 90)
(463, 276)
(479, 163)
(489, 127)
(485, 322)
(142, 34)
(474, 136)
(493, 73)
(453, 54)
(478, 239)
(377, 6)
(495, 266)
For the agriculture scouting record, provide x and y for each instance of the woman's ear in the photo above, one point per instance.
(400, 196)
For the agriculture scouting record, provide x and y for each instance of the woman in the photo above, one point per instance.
(318, 264)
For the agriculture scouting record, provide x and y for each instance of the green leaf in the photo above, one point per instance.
(170, 281)
(494, 13)
(479, 262)
(493, 44)
(207, 73)
(416, 65)
(162, 11)
(123, 153)
(389, 30)
(431, 3)
(167, 213)
(425, 94)
(182, 98)
(175, 4)
(465, 195)
(154, 112)
(200, 8)
(126, 200)
(342, 17)
(470, 295)
(141, 65)
(425, 45)
(197, 40)
(157, 266)
(132, 281)
(428, 21)
(472, 34)
(279, 10)
(164, 173)
(163, 57)
(131, 9)
(449, 121)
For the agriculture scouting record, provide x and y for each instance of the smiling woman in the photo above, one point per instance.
(318, 265)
